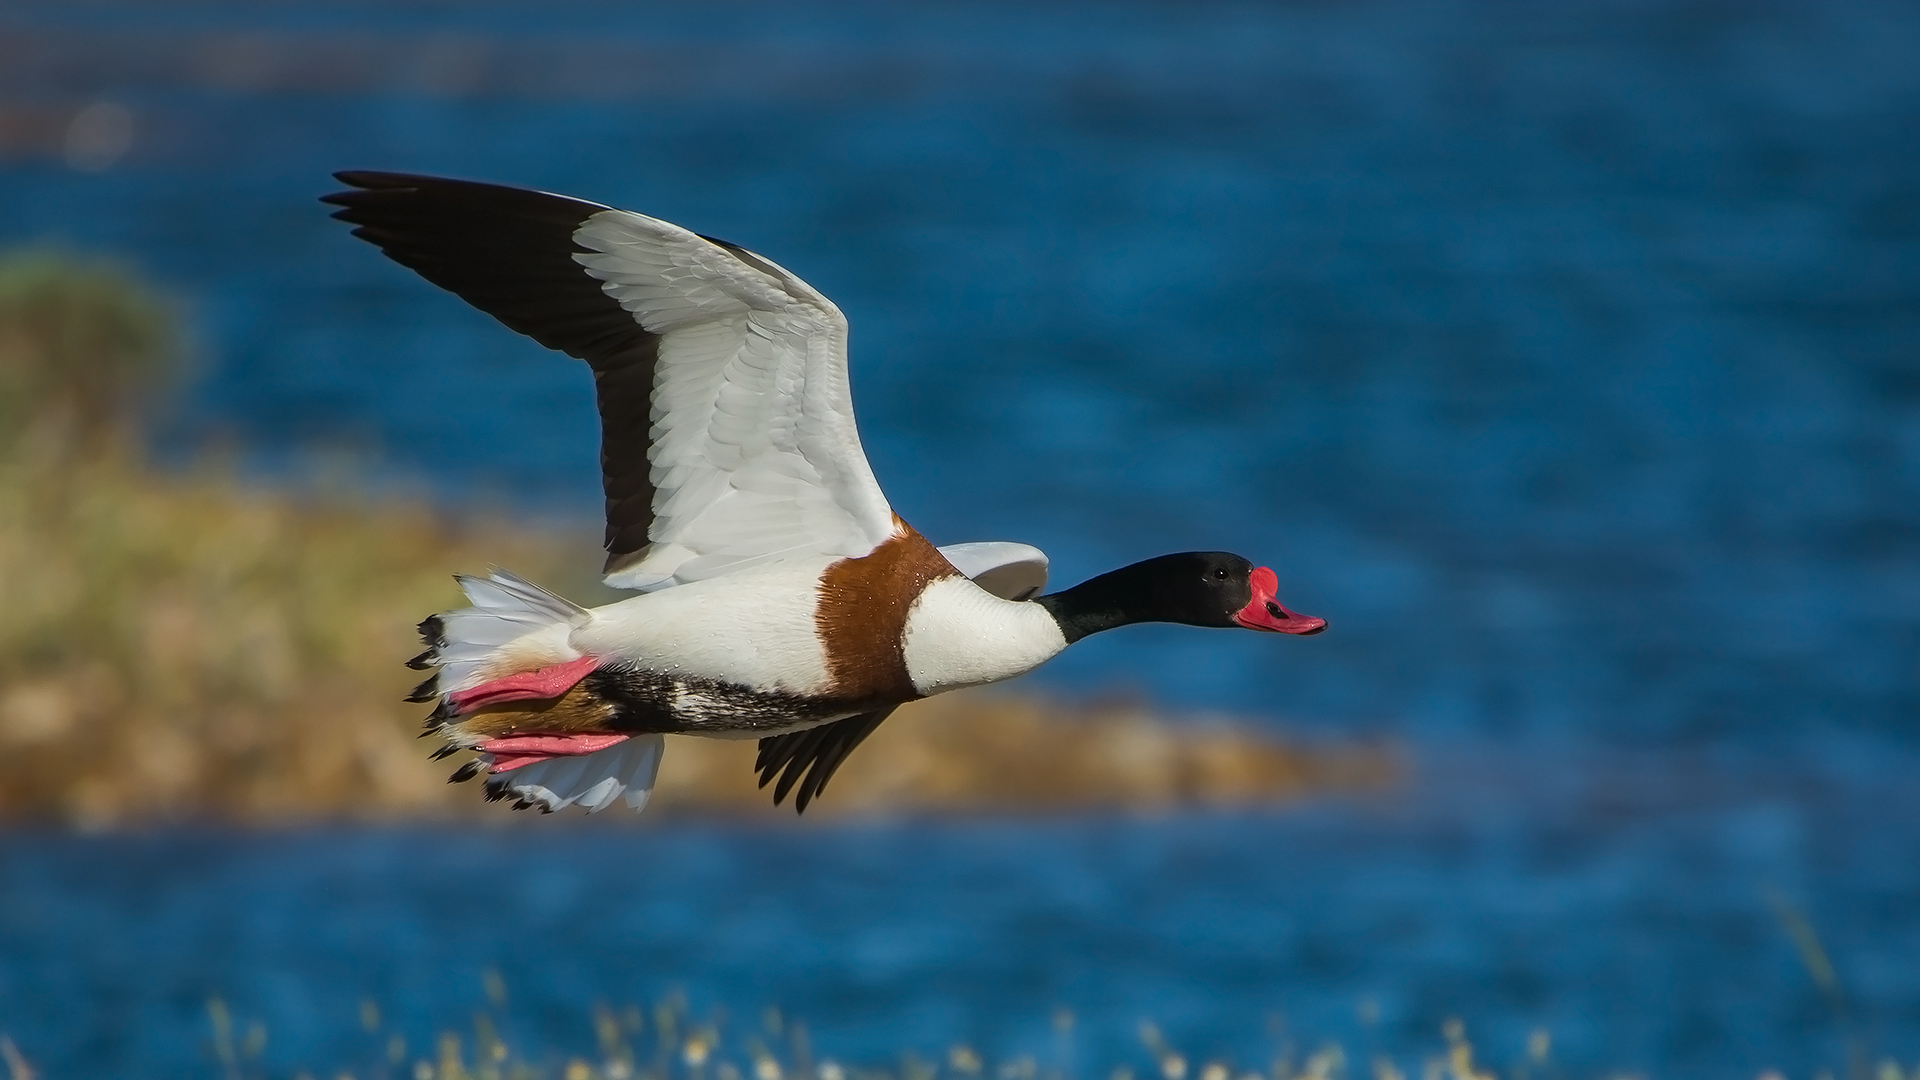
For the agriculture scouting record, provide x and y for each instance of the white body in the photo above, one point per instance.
(754, 627)
(757, 628)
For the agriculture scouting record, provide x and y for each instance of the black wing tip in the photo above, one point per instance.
(368, 188)
(365, 182)
(795, 769)
(371, 184)
(375, 178)
(809, 758)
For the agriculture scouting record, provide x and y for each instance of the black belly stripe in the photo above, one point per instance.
(652, 702)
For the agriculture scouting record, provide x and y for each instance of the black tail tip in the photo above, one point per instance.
(426, 691)
(442, 715)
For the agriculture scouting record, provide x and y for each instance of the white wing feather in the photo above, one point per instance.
(755, 454)
(1007, 570)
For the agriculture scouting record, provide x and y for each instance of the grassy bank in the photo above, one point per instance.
(186, 645)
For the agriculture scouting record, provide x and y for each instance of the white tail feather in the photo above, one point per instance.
(503, 590)
(589, 781)
(506, 609)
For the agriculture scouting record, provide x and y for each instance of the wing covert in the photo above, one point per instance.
(1008, 570)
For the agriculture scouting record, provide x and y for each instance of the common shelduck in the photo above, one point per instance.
(780, 597)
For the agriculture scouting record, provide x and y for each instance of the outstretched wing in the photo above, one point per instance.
(813, 754)
(727, 430)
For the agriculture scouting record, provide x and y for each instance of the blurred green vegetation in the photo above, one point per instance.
(82, 344)
(186, 644)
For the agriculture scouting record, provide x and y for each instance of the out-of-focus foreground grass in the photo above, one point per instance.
(667, 1043)
(185, 644)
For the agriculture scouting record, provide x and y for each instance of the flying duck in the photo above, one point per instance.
(780, 598)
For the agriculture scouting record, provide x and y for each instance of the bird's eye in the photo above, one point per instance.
(1220, 574)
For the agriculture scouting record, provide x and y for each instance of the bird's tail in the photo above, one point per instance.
(508, 682)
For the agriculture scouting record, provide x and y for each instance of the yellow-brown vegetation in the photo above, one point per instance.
(182, 644)
(988, 751)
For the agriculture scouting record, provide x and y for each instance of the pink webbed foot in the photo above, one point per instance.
(514, 751)
(548, 682)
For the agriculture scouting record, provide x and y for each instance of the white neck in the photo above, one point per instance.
(958, 634)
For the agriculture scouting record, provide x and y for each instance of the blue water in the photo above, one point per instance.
(1567, 357)
(1634, 918)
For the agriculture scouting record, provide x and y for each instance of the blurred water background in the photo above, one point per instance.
(1564, 357)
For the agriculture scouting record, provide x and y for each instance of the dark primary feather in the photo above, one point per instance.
(816, 752)
(509, 252)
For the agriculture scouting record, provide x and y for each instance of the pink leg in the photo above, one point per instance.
(548, 682)
(514, 751)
